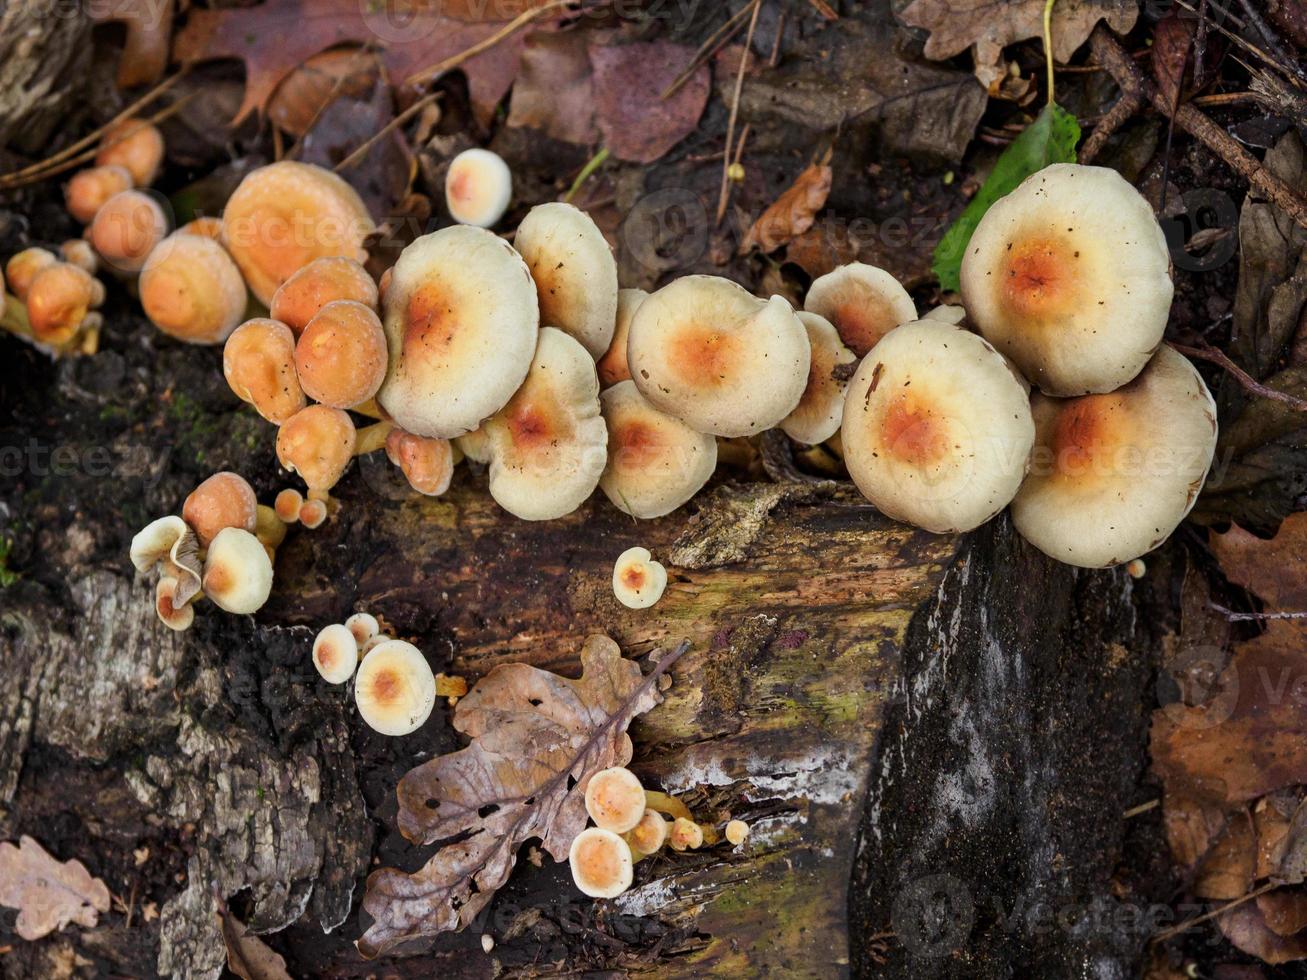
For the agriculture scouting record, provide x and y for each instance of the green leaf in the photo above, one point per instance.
(1051, 138)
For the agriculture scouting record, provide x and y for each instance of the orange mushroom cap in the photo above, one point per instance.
(191, 289)
(817, 416)
(258, 361)
(223, 500)
(862, 302)
(317, 443)
(134, 144)
(88, 189)
(58, 300)
(127, 228)
(207, 227)
(427, 463)
(341, 355)
(322, 281)
(24, 266)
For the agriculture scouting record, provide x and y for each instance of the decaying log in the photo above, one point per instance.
(44, 52)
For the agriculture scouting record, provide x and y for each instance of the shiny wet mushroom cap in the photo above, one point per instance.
(601, 863)
(478, 187)
(817, 416)
(395, 689)
(191, 289)
(335, 654)
(1068, 276)
(862, 302)
(237, 572)
(322, 281)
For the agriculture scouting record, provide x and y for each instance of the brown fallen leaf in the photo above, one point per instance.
(149, 31)
(305, 92)
(794, 212)
(553, 92)
(48, 895)
(1284, 910)
(536, 740)
(1226, 870)
(637, 123)
(1246, 928)
(248, 956)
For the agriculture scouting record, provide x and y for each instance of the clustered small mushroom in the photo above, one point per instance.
(638, 580)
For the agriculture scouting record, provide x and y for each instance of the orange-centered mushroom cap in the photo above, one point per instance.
(258, 361)
(395, 689)
(237, 571)
(614, 798)
(134, 144)
(335, 654)
(478, 187)
(862, 302)
(24, 266)
(317, 443)
(341, 355)
(192, 290)
(223, 500)
(322, 281)
(819, 412)
(58, 299)
(612, 366)
(88, 189)
(427, 463)
(127, 228)
(601, 863)
(638, 580)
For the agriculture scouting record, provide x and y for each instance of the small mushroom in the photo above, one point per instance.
(548, 446)
(335, 654)
(363, 626)
(223, 500)
(269, 528)
(317, 443)
(1112, 475)
(721, 360)
(612, 366)
(58, 301)
(863, 303)
(574, 273)
(88, 189)
(23, 267)
(154, 541)
(737, 832)
(285, 215)
(955, 315)
(322, 281)
(313, 514)
(462, 322)
(287, 505)
(395, 689)
(126, 230)
(614, 798)
(427, 463)
(134, 144)
(819, 412)
(936, 428)
(178, 617)
(1069, 276)
(601, 863)
(478, 187)
(475, 445)
(237, 572)
(685, 834)
(258, 362)
(655, 462)
(78, 252)
(638, 580)
(191, 289)
(649, 835)
(341, 355)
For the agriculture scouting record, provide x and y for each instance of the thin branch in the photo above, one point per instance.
(512, 27)
(1248, 617)
(1246, 380)
(710, 47)
(1188, 924)
(725, 192)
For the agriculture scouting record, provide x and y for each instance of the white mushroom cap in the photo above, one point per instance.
(462, 321)
(153, 542)
(478, 187)
(818, 414)
(237, 571)
(862, 302)
(612, 366)
(737, 832)
(937, 428)
(574, 272)
(395, 689)
(615, 800)
(1068, 276)
(655, 462)
(548, 446)
(601, 863)
(719, 359)
(1112, 475)
(638, 580)
(173, 615)
(948, 314)
(336, 653)
(475, 445)
(363, 627)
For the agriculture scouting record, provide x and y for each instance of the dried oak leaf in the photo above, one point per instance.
(149, 29)
(1246, 928)
(794, 212)
(536, 740)
(248, 956)
(637, 123)
(554, 91)
(48, 894)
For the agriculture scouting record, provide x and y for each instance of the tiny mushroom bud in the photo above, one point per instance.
(313, 514)
(191, 289)
(268, 527)
(819, 412)
(258, 361)
(374, 641)
(23, 267)
(1136, 568)
(336, 654)
(638, 580)
(287, 505)
(548, 446)
(317, 443)
(363, 626)
(322, 281)
(737, 832)
(936, 428)
(90, 188)
(478, 187)
(574, 272)
(655, 462)
(719, 359)
(58, 301)
(237, 572)
(1069, 276)
(649, 835)
(174, 616)
(395, 689)
(612, 366)
(462, 322)
(341, 355)
(427, 463)
(1112, 475)
(487, 942)
(601, 863)
(127, 228)
(78, 252)
(614, 798)
(864, 303)
(153, 542)
(285, 215)
(685, 834)
(134, 144)
(223, 500)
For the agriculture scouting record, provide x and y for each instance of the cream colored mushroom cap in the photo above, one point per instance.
(574, 272)
(461, 321)
(614, 799)
(548, 447)
(862, 302)
(649, 834)
(176, 617)
(363, 627)
(612, 366)
(706, 351)
(395, 689)
(948, 314)
(937, 428)
(478, 187)
(638, 580)
(336, 653)
(237, 571)
(1069, 276)
(155, 540)
(817, 416)
(655, 462)
(1112, 475)
(601, 863)
(474, 445)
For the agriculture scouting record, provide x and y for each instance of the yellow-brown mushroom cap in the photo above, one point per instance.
(936, 428)
(427, 463)
(127, 228)
(317, 443)
(721, 360)
(322, 281)
(650, 834)
(612, 366)
(638, 580)
(175, 616)
(548, 446)
(341, 355)
(258, 361)
(1112, 475)
(1069, 276)
(817, 416)
(287, 503)
(88, 189)
(237, 572)
(601, 863)
(78, 252)
(191, 289)
(655, 462)
(862, 302)
(223, 500)
(24, 266)
(395, 689)
(335, 654)
(285, 215)
(615, 800)
(58, 299)
(736, 832)
(478, 187)
(684, 834)
(574, 272)
(136, 145)
(268, 527)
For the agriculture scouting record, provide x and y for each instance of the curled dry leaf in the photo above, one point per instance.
(536, 740)
(48, 894)
(149, 31)
(794, 212)
(248, 956)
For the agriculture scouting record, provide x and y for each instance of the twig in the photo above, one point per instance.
(1249, 383)
(1135, 811)
(725, 192)
(1116, 117)
(825, 9)
(706, 50)
(512, 27)
(1188, 924)
(1248, 617)
(1200, 45)
(1048, 45)
(365, 147)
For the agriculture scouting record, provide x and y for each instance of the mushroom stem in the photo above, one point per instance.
(15, 318)
(450, 687)
(371, 409)
(670, 806)
(372, 437)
